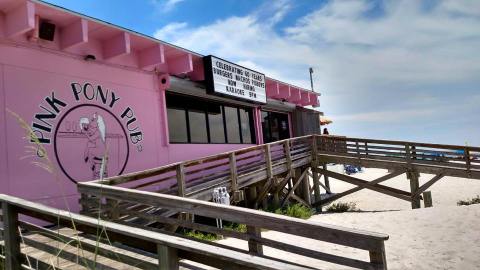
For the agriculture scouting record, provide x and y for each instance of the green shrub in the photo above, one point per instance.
(294, 210)
(236, 227)
(201, 235)
(475, 200)
(341, 207)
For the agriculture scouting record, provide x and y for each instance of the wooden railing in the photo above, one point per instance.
(234, 170)
(133, 248)
(111, 201)
(454, 160)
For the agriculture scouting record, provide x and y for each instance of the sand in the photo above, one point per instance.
(445, 236)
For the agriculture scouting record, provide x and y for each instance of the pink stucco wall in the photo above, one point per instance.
(30, 75)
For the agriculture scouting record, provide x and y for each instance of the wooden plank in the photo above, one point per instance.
(355, 189)
(427, 199)
(233, 172)
(362, 183)
(319, 231)
(135, 236)
(11, 237)
(297, 183)
(315, 254)
(428, 184)
(378, 257)
(254, 247)
(268, 161)
(414, 186)
(167, 258)
(93, 246)
(181, 179)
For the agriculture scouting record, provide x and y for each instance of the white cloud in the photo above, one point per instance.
(401, 61)
(165, 6)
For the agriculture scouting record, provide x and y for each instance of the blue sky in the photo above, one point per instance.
(407, 70)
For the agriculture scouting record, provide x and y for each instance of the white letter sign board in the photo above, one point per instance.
(228, 79)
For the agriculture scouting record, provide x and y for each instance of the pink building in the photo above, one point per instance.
(101, 100)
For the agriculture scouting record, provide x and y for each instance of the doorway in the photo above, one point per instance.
(275, 126)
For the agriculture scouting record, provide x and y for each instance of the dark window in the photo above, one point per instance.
(193, 120)
(198, 126)
(177, 125)
(246, 118)
(215, 122)
(231, 119)
(275, 126)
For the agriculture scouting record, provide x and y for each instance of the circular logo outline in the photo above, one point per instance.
(60, 122)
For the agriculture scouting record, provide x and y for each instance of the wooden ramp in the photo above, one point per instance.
(82, 242)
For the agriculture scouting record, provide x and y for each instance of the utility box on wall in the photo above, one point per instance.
(305, 121)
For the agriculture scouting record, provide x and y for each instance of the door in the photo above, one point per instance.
(275, 126)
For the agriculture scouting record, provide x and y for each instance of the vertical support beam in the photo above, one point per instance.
(316, 180)
(74, 34)
(181, 179)
(11, 237)
(288, 155)
(236, 194)
(253, 246)
(427, 199)
(467, 161)
(414, 185)
(20, 20)
(251, 196)
(268, 161)
(378, 257)
(167, 258)
(325, 178)
(306, 189)
(116, 46)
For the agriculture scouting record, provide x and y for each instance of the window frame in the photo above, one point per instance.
(185, 108)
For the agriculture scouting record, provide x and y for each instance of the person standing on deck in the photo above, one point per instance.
(325, 131)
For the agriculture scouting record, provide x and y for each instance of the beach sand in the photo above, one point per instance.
(445, 236)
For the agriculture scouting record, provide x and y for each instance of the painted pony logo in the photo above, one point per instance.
(90, 140)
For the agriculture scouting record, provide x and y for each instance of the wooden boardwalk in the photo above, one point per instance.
(280, 171)
(149, 207)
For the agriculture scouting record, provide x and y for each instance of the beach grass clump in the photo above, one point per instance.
(242, 228)
(475, 200)
(341, 207)
(294, 210)
(200, 235)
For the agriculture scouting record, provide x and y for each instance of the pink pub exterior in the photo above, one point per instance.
(89, 99)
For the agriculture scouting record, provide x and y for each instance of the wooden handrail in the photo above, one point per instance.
(162, 244)
(325, 232)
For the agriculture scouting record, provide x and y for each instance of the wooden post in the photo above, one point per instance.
(251, 196)
(314, 165)
(253, 246)
(378, 257)
(467, 162)
(414, 185)
(288, 156)
(268, 161)
(167, 258)
(325, 178)
(233, 175)
(427, 199)
(316, 189)
(306, 189)
(11, 237)
(113, 213)
(181, 179)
